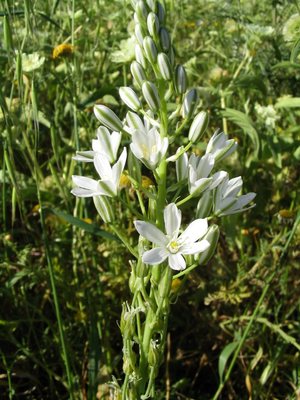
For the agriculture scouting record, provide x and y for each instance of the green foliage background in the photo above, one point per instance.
(63, 279)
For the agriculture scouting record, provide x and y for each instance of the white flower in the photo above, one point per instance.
(199, 169)
(171, 246)
(30, 62)
(226, 200)
(220, 147)
(267, 114)
(149, 147)
(106, 143)
(110, 178)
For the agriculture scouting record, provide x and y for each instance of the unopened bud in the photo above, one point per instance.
(153, 354)
(150, 49)
(130, 98)
(139, 33)
(164, 66)
(138, 73)
(141, 11)
(182, 166)
(165, 40)
(140, 57)
(212, 236)
(134, 121)
(180, 79)
(171, 55)
(153, 24)
(134, 167)
(151, 96)
(190, 103)
(205, 204)
(108, 118)
(104, 208)
(199, 126)
(160, 12)
(152, 5)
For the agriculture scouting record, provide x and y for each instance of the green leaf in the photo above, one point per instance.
(90, 228)
(224, 357)
(295, 51)
(245, 123)
(288, 102)
(286, 64)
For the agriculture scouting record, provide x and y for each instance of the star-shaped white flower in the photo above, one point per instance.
(227, 200)
(220, 147)
(110, 178)
(106, 143)
(149, 147)
(171, 245)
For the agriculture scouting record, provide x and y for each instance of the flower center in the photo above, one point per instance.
(173, 246)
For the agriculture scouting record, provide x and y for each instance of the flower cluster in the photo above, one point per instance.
(158, 81)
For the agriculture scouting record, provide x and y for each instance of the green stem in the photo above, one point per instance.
(187, 198)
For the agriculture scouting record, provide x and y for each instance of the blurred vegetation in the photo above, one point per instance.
(63, 280)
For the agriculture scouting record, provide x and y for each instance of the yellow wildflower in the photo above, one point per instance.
(62, 50)
(146, 182)
(124, 181)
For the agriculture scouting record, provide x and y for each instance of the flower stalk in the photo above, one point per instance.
(164, 245)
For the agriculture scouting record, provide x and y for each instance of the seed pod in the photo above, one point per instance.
(198, 126)
(130, 98)
(139, 55)
(141, 12)
(153, 24)
(160, 12)
(212, 236)
(108, 118)
(138, 73)
(180, 79)
(151, 96)
(205, 204)
(104, 208)
(150, 49)
(139, 33)
(165, 40)
(164, 66)
(190, 103)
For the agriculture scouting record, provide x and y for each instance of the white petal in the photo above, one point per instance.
(194, 231)
(85, 183)
(164, 147)
(155, 256)
(234, 185)
(172, 217)
(84, 156)
(195, 248)
(108, 187)
(225, 204)
(117, 169)
(177, 262)
(151, 233)
(80, 192)
(218, 177)
(102, 166)
(199, 186)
